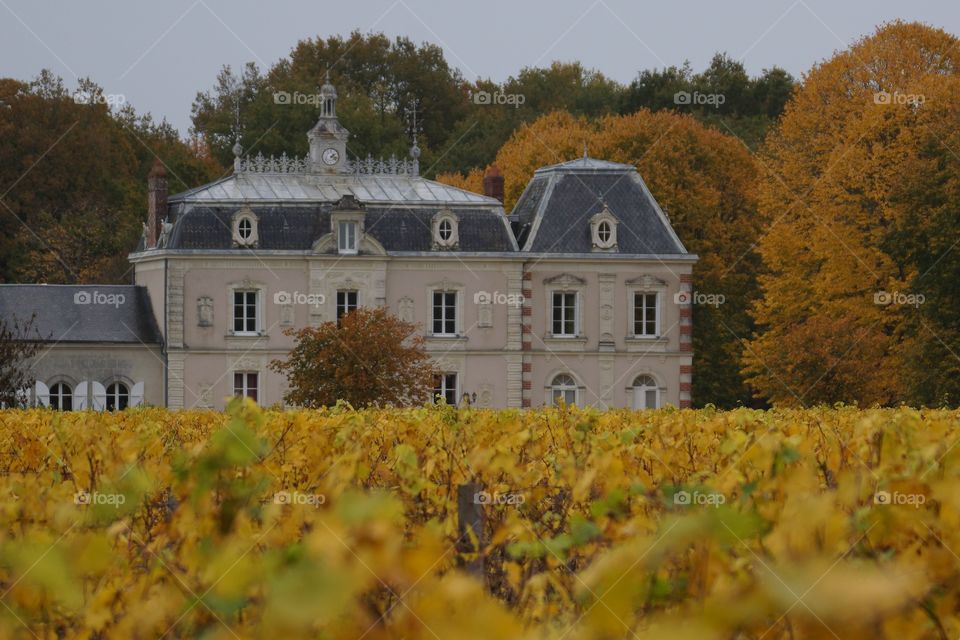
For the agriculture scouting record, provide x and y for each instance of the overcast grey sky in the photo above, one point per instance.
(158, 54)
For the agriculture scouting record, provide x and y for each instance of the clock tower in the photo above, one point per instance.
(328, 138)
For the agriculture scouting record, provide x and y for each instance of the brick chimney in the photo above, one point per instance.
(493, 183)
(156, 202)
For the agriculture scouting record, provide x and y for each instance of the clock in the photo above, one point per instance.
(330, 156)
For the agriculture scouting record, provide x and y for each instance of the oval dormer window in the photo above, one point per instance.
(245, 229)
(446, 230)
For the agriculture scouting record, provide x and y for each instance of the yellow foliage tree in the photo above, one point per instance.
(831, 185)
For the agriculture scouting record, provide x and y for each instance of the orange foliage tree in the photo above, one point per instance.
(703, 180)
(833, 183)
(370, 359)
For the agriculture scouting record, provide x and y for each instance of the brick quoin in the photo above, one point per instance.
(686, 330)
(685, 404)
(528, 276)
(686, 278)
(686, 368)
(528, 346)
(527, 367)
(686, 346)
(525, 403)
(527, 385)
(684, 386)
(527, 293)
(526, 311)
(686, 312)
(525, 328)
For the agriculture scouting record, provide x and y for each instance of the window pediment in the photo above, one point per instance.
(646, 282)
(565, 280)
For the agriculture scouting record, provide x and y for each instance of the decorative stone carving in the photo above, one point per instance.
(205, 311)
(286, 315)
(405, 309)
(485, 313)
(205, 396)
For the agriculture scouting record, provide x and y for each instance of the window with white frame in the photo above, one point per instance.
(245, 311)
(565, 322)
(645, 320)
(563, 388)
(445, 388)
(646, 393)
(347, 237)
(246, 384)
(61, 397)
(444, 313)
(346, 302)
(118, 396)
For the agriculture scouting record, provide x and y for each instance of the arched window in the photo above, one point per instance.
(61, 397)
(604, 232)
(118, 396)
(564, 388)
(646, 393)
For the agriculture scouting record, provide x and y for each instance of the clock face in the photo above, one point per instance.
(331, 156)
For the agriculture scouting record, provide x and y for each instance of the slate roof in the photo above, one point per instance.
(62, 317)
(398, 229)
(369, 189)
(553, 213)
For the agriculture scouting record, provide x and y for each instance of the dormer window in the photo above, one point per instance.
(245, 232)
(445, 230)
(346, 225)
(347, 237)
(603, 230)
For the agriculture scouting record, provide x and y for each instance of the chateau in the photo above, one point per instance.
(581, 293)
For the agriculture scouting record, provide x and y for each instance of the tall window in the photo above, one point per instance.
(445, 313)
(346, 302)
(245, 312)
(118, 397)
(347, 237)
(644, 314)
(61, 397)
(646, 395)
(564, 313)
(245, 384)
(445, 387)
(564, 388)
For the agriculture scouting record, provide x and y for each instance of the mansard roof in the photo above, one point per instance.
(553, 213)
(373, 188)
(396, 228)
(93, 313)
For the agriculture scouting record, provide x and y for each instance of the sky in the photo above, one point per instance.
(157, 55)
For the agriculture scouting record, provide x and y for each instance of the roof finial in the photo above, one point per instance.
(584, 149)
(415, 149)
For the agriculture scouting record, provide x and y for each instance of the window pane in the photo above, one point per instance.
(651, 399)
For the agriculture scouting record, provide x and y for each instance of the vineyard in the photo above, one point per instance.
(456, 524)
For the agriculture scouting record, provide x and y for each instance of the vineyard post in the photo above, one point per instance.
(470, 514)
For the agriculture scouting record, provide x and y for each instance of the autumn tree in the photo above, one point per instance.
(371, 358)
(703, 180)
(73, 169)
(860, 191)
(19, 343)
